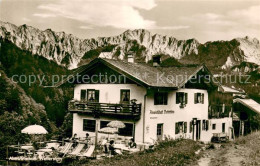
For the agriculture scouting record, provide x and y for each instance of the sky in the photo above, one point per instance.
(204, 20)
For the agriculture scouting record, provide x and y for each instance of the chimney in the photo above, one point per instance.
(156, 61)
(130, 58)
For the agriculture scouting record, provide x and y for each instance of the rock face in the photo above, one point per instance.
(68, 50)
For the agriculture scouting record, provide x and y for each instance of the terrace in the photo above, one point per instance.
(129, 111)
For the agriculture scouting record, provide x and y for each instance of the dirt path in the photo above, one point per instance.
(227, 154)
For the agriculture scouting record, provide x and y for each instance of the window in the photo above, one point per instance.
(159, 129)
(223, 127)
(199, 98)
(205, 125)
(83, 95)
(125, 96)
(213, 126)
(103, 124)
(127, 131)
(160, 98)
(181, 98)
(89, 125)
(93, 95)
(180, 127)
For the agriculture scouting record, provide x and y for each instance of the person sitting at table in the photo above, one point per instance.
(112, 148)
(104, 145)
(87, 136)
(131, 143)
(74, 140)
(74, 137)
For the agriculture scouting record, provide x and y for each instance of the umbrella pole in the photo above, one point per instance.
(96, 138)
(7, 155)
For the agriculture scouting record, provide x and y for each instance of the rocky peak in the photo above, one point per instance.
(68, 50)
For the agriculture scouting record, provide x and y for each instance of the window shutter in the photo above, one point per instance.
(207, 125)
(96, 95)
(176, 128)
(195, 98)
(83, 95)
(165, 98)
(190, 126)
(185, 127)
(204, 125)
(186, 98)
(156, 98)
(177, 98)
(202, 96)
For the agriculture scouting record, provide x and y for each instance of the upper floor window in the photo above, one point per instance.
(199, 98)
(182, 98)
(83, 94)
(93, 95)
(125, 96)
(160, 98)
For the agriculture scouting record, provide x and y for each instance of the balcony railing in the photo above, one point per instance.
(104, 108)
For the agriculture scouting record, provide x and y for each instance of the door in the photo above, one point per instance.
(160, 131)
(198, 129)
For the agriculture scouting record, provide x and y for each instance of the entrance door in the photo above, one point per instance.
(198, 129)
(160, 131)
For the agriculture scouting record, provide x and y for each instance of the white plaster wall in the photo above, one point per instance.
(185, 114)
(110, 93)
(207, 135)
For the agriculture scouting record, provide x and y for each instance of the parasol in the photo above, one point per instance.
(34, 129)
(116, 124)
(108, 130)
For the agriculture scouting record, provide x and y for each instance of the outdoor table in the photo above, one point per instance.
(127, 149)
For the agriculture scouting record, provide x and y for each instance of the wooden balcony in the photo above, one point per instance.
(220, 111)
(124, 111)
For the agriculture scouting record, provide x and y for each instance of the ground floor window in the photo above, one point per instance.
(127, 131)
(180, 127)
(213, 126)
(103, 124)
(159, 131)
(89, 125)
(205, 125)
(223, 127)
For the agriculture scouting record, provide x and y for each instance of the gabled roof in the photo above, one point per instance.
(147, 75)
(249, 103)
(226, 89)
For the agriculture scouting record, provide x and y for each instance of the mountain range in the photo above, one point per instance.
(71, 51)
